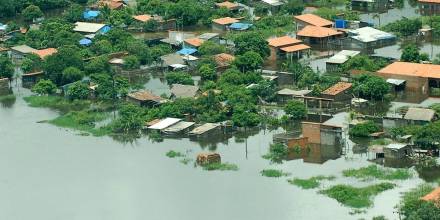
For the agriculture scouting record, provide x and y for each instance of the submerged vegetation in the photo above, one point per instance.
(356, 197)
(273, 173)
(220, 166)
(310, 183)
(83, 121)
(173, 154)
(376, 172)
(57, 103)
(277, 153)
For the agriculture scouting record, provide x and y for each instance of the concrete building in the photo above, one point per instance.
(19, 52)
(370, 38)
(397, 151)
(311, 19)
(282, 47)
(419, 80)
(419, 116)
(429, 7)
(334, 63)
(318, 36)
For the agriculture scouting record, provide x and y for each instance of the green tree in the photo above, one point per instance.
(211, 48)
(294, 7)
(295, 109)
(249, 61)
(130, 118)
(363, 129)
(404, 26)
(411, 53)
(32, 12)
(78, 90)
(131, 62)
(44, 87)
(150, 26)
(31, 63)
(370, 87)
(74, 13)
(277, 153)
(110, 86)
(251, 41)
(71, 74)
(179, 78)
(207, 72)
(98, 65)
(6, 67)
(67, 56)
(102, 47)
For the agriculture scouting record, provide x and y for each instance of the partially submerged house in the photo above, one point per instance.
(231, 6)
(417, 80)
(368, 38)
(19, 52)
(286, 94)
(335, 62)
(165, 123)
(397, 150)
(162, 24)
(429, 7)
(145, 99)
(318, 36)
(273, 5)
(370, 5)
(184, 91)
(282, 47)
(43, 53)
(311, 19)
(222, 24)
(171, 60)
(341, 92)
(30, 79)
(419, 116)
(91, 28)
(193, 43)
(223, 61)
(179, 128)
(176, 38)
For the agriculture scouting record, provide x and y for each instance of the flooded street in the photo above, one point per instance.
(54, 173)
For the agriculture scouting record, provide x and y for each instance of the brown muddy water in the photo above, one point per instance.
(52, 173)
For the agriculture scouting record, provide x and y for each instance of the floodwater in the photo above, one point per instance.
(409, 10)
(54, 173)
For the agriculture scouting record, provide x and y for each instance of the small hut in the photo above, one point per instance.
(208, 158)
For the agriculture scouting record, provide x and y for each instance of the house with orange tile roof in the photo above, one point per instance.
(311, 19)
(45, 52)
(429, 7)
(433, 196)
(282, 47)
(223, 61)
(163, 24)
(419, 81)
(340, 91)
(192, 43)
(318, 36)
(111, 4)
(222, 24)
(231, 6)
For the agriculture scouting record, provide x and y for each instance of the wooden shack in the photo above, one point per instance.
(397, 150)
(208, 158)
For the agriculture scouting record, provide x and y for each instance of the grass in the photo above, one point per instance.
(173, 154)
(273, 173)
(356, 197)
(57, 103)
(8, 100)
(220, 166)
(310, 183)
(376, 172)
(83, 121)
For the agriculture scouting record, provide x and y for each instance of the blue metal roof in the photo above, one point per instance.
(90, 14)
(105, 29)
(240, 26)
(85, 42)
(187, 51)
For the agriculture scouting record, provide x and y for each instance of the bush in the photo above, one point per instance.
(277, 153)
(374, 171)
(220, 166)
(179, 78)
(273, 173)
(78, 90)
(363, 129)
(131, 62)
(310, 183)
(173, 154)
(295, 109)
(44, 87)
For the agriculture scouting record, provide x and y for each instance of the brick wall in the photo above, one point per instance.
(312, 131)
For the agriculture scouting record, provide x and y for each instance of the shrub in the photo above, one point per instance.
(44, 87)
(273, 173)
(363, 129)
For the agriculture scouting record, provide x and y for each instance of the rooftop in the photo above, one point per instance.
(145, 96)
(295, 48)
(430, 1)
(412, 69)
(343, 56)
(143, 18)
(314, 20)
(420, 114)
(24, 49)
(171, 59)
(273, 2)
(318, 32)
(369, 34)
(223, 59)
(165, 123)
(208, 36)
(184, 91)
(45, 52)
(283, 41)
(396, 146)
(294, 92)
(228, 5)
(196, 42)
(88, 27)
(204, 128)
(433, 196)
(225, 20)
(179, 126)
(337, 88)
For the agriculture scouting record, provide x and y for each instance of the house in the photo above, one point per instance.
(223, 61)
(45, 52)
(419, 116)
(19, 52)
(4, 51)
(228, 5)
(311, 19)
(214, 37)
(429, 7)
(145, 99)
(370, 5)
(176, 38)
(91, 14)
(417, 80)
(318, 36)
(163, 24)
(282, 47)
(397, 150)
(239, 26)
(273, 5)
(91, 28)
(111, 4)
(208, 158)
(335, 62)
(192, 43)
(184, 91)
(165, 123)
(30, 79)
(433, 196)
(370, 38)
(179, 128)
(338, 92)
(285, 95)
(171, 59)
(222, 24)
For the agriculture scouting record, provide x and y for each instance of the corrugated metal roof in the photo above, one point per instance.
(420, 114)
(167, 122)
